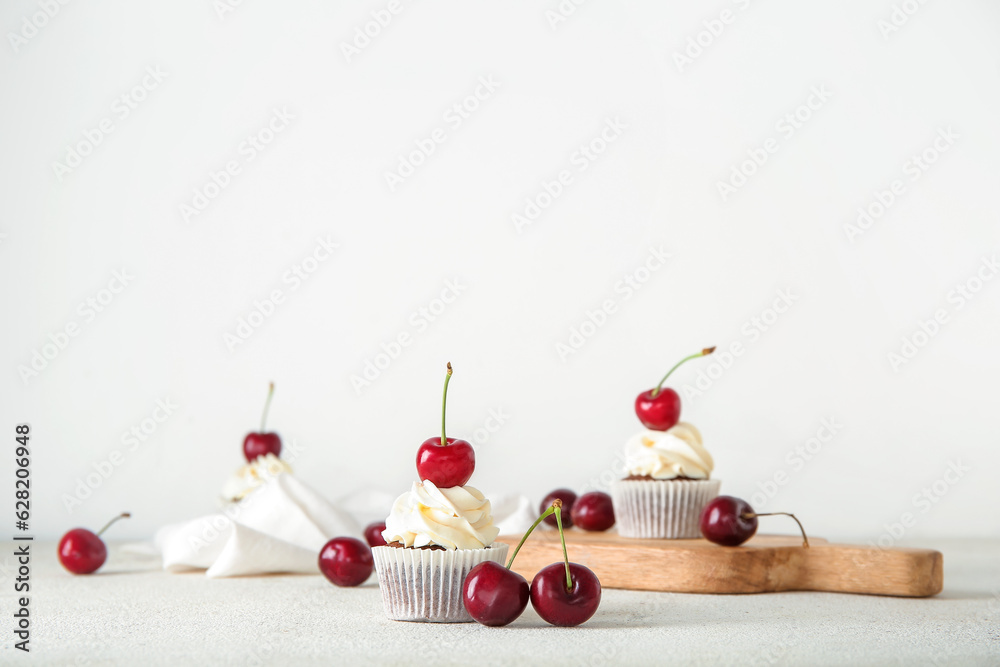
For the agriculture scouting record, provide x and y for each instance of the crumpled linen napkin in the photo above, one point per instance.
(281, 526)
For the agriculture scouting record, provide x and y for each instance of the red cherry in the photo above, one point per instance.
(82, 551)
(731, 521)
(568, 498)
(659, 409)
(728, 521)
(346, 561)
(451, 465)
(564, 606)
(373, 534)
(494, 595)
(442, 460)
(593, 511)
(261, 443)
(660, 412)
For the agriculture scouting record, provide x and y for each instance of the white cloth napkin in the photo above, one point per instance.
(282, 525)
(512, 514)
(279, 527)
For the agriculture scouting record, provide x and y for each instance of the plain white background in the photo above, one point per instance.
(887, 94)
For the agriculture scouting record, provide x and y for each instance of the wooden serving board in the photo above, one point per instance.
(765, 564)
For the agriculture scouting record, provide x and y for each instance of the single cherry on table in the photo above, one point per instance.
(444, 461)
(593, 512)
(373, 534)
(731, 521)
(568, 499)
(495, 595)
(346, 561)
(82, 551)
(659, 409)
(259, 443)
(565, 594)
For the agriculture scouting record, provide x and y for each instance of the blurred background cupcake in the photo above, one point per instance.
(667, 484)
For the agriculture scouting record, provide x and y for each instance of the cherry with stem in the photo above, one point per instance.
(659, 409)
(446, 462)
(564, 594)
(261, 442)
(82, 551)
(731, 521)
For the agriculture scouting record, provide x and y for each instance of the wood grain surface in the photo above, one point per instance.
(767, 563)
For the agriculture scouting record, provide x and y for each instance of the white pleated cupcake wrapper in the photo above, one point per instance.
(426, 584)
(669, 509)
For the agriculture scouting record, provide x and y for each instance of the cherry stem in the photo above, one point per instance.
(123, 515)
(444, 405)
(705, 352)
(267, 406)
(805, 540)
(562, 536)
(549, 512)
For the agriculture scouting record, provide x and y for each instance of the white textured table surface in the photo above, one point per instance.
(131, 613)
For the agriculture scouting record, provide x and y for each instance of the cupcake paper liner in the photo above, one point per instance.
(426, 584)
(661, 509)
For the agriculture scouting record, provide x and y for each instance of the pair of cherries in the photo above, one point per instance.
(564, 594)
(592, 511)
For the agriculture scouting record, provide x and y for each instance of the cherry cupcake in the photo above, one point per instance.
(667, 469)
(667, 485)
(434, 537)
(436, 533)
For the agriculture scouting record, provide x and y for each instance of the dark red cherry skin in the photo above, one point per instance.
(723, 521)
(560, 606)
(568, 498)
(81, 551)
(373, 534)
(593, 511)
(346, 561)
(446, 465)
(259, 444)
(660, 412)
(493, 595)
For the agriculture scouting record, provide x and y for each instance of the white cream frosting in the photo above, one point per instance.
(458, 517)
(252, 475)
(668, 454)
